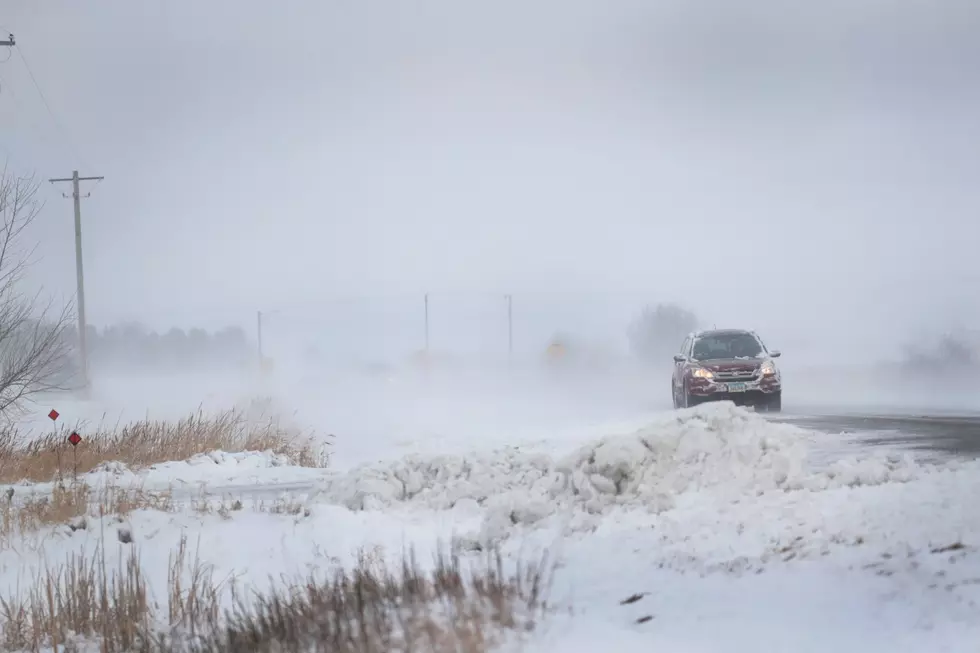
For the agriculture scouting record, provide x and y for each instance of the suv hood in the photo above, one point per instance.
(732, 364)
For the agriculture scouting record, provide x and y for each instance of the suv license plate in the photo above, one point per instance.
(736, 387)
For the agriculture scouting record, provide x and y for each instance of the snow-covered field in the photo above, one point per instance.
(738, 534)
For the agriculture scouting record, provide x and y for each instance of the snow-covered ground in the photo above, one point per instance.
(738, 533)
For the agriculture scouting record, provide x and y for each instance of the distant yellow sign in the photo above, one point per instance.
(556, 350)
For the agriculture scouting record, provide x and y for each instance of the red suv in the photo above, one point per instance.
(731, 364)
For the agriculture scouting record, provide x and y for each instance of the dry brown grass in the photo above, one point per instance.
(87, 601)
(71, 504)
(147, 442)
(224, 507)
(368, 610)
(81, 598)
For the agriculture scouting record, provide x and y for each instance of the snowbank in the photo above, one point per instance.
(214, 470)
(720, 521)
(715, 449)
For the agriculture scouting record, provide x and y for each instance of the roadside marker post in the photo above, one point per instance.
(53, 416)
(73, 440)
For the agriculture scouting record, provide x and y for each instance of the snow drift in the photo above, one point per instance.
(717, 448)
(212, 470)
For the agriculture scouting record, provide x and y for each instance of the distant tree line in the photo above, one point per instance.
(132, 348)
(950, 353)
(658, 332)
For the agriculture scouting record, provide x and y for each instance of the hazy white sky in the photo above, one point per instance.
(786, 162)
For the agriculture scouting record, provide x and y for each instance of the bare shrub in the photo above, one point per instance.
(146, 442)
(34, 349)
(368, 609)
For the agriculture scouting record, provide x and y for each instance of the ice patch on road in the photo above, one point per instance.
(718, 449)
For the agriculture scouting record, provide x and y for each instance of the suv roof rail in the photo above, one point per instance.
(701, 332)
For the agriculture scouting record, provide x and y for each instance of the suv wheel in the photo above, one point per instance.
(773, 403)
(689, 400)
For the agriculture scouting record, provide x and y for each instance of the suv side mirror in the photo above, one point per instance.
(679, 358)
(775, 353)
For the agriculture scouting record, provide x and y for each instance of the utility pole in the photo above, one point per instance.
(426, 323)
(79, 275)
(265, 365)
(510, 325)
(259, 324)
(10, 42)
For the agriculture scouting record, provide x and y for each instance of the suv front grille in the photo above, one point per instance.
(737, 375)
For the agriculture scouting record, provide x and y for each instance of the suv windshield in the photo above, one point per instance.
(726, 345)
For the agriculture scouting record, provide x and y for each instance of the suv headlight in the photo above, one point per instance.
(701, 373)
(768, 369)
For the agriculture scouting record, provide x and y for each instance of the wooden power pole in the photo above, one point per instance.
(79, 274)
(426, 324)
(10, 42)
(510, 325)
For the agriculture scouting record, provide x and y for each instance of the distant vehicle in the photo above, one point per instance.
(731, 364)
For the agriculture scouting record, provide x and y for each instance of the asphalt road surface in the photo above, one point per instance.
(947, 435)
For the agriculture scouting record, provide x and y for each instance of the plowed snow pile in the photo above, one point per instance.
(715, 449)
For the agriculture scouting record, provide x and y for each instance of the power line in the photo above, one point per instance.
(44, 100)
(30, 72)
(8, 91)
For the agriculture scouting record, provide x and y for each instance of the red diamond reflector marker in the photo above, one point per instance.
(74, 439)
(54, 414)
